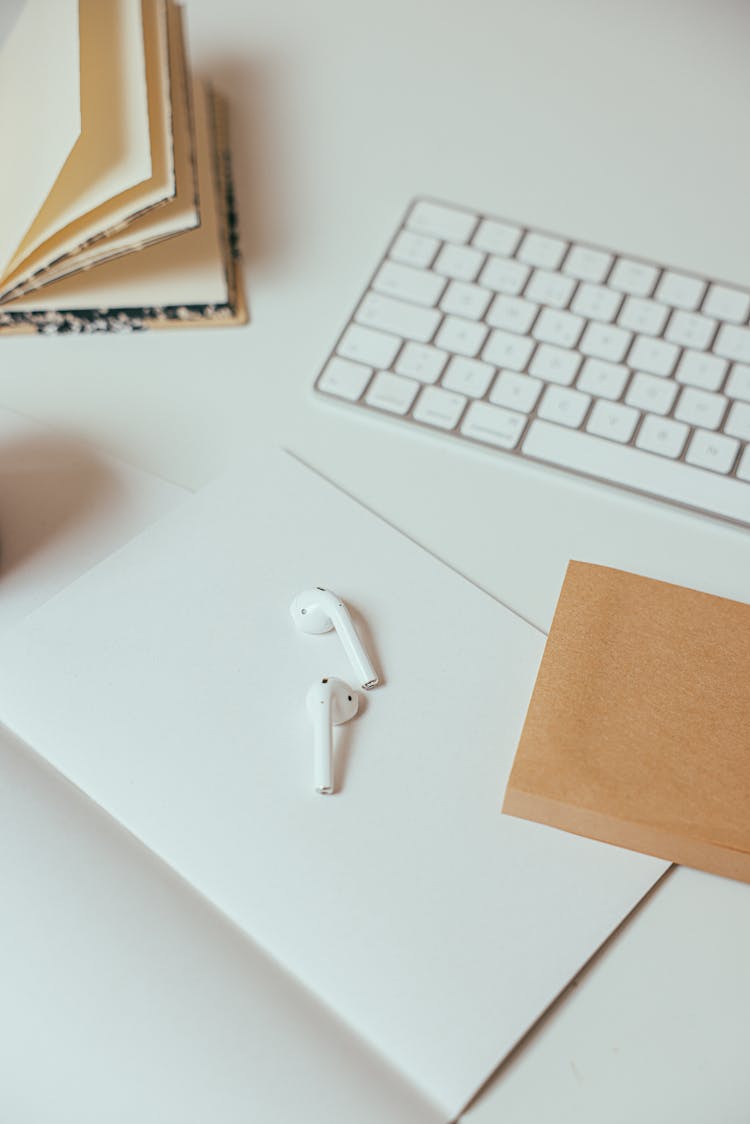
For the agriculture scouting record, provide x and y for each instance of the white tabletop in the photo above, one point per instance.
(620, 124)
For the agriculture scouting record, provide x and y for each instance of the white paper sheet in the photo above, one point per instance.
(169, 685)
(126, 997)
(97, 933)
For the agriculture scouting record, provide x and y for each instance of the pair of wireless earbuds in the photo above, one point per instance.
(331, 701)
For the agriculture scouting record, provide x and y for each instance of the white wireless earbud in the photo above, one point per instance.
(318, 610)
(329, 703)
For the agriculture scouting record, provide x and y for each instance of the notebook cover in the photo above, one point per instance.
(638, 730)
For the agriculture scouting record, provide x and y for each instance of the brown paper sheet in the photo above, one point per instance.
(638, 730)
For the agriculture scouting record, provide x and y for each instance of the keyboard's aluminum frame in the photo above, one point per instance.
(493, 450)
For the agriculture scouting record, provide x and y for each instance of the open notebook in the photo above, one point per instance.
(433, 929)
(116, 205)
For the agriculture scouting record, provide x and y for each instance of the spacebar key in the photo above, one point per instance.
(634, 468)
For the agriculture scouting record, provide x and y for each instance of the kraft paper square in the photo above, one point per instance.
(638, 730)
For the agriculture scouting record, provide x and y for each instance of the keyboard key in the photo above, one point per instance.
(375, 349)
(421, 361)
(727, 304)
(464, 299)
(699, 407)
(447, 223)
(391, 392)
(561, 328)
(733, 343)
(662, 436)
(634, 277)
(496, 237)
(712, 450)
(611, 420)
(565, 407)
(655, 356)
(639, 314)
(417, 285)
(515, 314)
(587, 264)
(517, 392)
(553, 289)
(462, 336)
(468, 376)
(396, 316)
(503, 275)
(635, 468)
(680, 290)
(344, 378)
(605, 341)
(505, 349)
(596, 303)
(555, 364)
(743, 468)
(414, 249)
(541, 250)
(493, 425)
(647, 392)
(604, 380)
(738, 421)
(440, 408)
(698, 369)
(690, 329)
(459, 262)
(738, 383)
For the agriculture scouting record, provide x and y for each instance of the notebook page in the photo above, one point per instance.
(173, 686)
(191, 269)
(45, 120)
(174, 216)
(123, 163)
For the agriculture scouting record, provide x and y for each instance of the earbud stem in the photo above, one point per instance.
(367, 677)
(323, 746)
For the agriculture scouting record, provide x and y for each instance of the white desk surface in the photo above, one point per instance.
(623, 124)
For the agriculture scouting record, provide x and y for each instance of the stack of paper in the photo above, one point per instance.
(115, 202)
(168, 683)
(637, 732)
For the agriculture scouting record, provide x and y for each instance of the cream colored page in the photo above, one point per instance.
(57, 236)
(189, 269)
(41, 119)
(114, 150)
(176, 215)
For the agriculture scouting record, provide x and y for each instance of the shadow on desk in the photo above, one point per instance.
(49, 487)
(248, 86)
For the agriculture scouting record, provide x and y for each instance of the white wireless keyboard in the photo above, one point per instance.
(523, 341)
